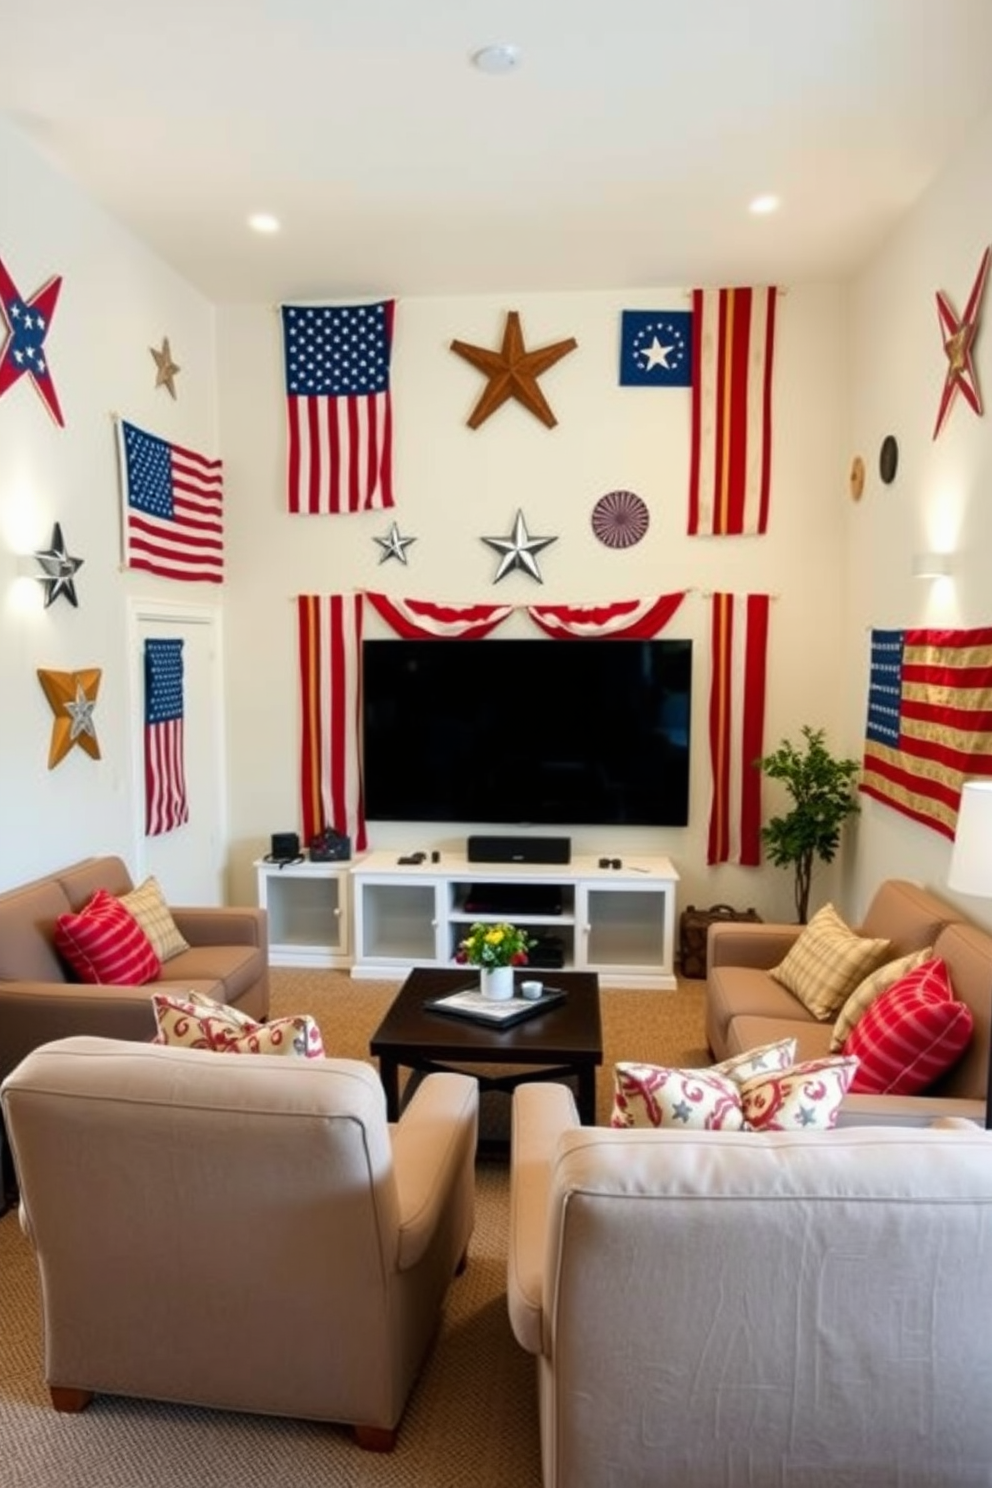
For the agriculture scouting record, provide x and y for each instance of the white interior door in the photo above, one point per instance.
(188, 861)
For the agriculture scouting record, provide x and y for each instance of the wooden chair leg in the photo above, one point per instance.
(375, 1438)
(67, 1398)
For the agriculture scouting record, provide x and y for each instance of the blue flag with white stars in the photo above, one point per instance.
(656, 348)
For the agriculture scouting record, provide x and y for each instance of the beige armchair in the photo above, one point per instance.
(720, 1309)
(239, 1231)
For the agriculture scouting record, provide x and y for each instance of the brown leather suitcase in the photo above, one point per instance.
(693, 925)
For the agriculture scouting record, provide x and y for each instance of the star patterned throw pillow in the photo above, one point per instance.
(763, 1091)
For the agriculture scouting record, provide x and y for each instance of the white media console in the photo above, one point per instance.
(619, 922)
(380, 917)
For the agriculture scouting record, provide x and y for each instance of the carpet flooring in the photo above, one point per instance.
(472, 1417)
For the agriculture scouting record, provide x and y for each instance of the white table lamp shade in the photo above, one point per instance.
(971, 860)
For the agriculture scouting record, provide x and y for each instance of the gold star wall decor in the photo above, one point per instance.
(512, 372)
(72, 698)
(166, 368)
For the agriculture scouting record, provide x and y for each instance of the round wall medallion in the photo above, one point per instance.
(856, 479)
(888, 459)
(620, 519)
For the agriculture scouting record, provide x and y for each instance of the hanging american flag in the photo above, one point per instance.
(739, 632)
(339, 409)
(173, 508)
(733, 337)
(166, 806)
(929, 725)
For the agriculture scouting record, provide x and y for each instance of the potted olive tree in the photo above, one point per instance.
(822, 790)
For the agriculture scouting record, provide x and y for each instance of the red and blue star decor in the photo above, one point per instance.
(27, 323)
(959, 336)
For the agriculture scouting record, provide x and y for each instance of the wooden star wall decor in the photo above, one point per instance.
(958, 335)
(72, 698)
(512, 372)
(166, 368)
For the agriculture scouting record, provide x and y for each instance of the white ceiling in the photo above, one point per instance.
(623, 151)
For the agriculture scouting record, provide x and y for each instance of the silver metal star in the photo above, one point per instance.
(394, 546)
(81, 713)
(59, 569)
(519, 550)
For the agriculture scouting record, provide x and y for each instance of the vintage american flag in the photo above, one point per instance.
(173, 508)
(166, 806)
(929, 725)
(739, 637)
(733, 339)
(338, 405)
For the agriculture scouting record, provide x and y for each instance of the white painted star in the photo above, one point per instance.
(393, 545)
(519, 551)
(657, 355)
(81, 713)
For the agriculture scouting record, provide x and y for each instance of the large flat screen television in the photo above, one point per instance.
(544, 733)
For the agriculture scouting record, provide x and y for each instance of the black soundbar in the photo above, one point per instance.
(509, 849)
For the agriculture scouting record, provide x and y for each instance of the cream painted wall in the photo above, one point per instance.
(453, 485)
(116, 301)
(942, 495)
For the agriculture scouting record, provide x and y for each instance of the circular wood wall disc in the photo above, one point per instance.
(856, 479)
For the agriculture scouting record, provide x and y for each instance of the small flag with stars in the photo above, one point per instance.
(173, 508)
(338, 407)
(656, 348)
(166, 806)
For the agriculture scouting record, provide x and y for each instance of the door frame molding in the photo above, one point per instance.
(148, 611)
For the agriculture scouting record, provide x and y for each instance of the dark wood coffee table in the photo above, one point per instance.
(565, 1040)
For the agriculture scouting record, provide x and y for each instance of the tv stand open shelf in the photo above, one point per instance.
(619, 922)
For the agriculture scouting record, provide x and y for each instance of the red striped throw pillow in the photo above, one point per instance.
(910, 1035)
(105, 945)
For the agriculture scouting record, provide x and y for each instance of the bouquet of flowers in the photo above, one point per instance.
(495, 945)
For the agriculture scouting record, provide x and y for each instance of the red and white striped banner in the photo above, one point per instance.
(739, 632)
(733, 338)
(330, 645)
(419, 619)
(627, 619)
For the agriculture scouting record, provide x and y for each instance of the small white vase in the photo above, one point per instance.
(496, 982)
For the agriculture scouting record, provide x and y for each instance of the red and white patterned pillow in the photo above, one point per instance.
(197, 1022)
(792, 1097)
(910, 1034)
(806, 1097)
(105, 946)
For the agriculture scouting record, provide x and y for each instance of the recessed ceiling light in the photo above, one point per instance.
(762, 205)
(499, 58)
(263, 222)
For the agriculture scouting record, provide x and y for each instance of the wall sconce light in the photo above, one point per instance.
(932, 565)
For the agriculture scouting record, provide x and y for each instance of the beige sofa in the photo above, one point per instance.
(228, 960)
(244, 1232)
(746, 1007)
(721, 1309)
